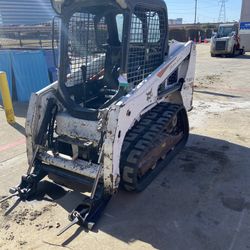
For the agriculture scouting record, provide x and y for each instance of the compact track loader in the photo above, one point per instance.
(227, 41)
(118, 113)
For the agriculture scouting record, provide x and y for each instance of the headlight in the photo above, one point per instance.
(229, 43)
(213, 42)
(57, 5)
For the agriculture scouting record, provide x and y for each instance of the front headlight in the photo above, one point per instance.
(230, 44)
(213, 42)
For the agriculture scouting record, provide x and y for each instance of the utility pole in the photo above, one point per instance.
(195, 15)
(222, 13)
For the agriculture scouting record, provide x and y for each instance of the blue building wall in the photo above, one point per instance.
(25, 12)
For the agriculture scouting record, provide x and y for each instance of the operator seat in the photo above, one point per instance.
(112, 66)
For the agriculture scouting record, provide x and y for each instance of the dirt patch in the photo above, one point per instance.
(10, 237)
(27, 215)
(165, 184)
(22, 243)
(4, 205)
(219, 156)
(41, 226)
(195, 156)
(208, 80)
(235, 204)
(188, 167)
(21, 217)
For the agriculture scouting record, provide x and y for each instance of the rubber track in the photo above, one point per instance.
(140, 139)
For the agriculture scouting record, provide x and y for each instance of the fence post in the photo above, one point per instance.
(40, 40)
(20, 39)
(7, 102)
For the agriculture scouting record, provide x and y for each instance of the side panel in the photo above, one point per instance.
(35, 114)
(144, 97)
(187, 89)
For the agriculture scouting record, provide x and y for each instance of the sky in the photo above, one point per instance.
(208, 10)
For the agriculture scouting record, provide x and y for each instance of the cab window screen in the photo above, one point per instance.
(146, 43)
(85, 50)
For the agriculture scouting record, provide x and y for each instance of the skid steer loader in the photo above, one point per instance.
(118, 113)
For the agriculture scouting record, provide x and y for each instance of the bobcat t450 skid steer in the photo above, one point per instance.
(118, 113)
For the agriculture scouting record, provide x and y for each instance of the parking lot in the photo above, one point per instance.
(201, 200)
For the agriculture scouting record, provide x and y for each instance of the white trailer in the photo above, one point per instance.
(244, 31)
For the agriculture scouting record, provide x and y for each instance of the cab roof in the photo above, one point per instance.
(124, 4)
(67, 6)
(158, 3)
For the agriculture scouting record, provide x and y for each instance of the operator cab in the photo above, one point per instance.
(93, 55)
(227, 30)
(106, 48)
(94, 58)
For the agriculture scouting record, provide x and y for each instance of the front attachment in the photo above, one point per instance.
(87, 213)
(26, 189)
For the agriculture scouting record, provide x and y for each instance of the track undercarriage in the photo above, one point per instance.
(151, 144)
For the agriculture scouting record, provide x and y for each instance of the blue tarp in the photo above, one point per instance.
(30, 71)
(5, 65)
(49, 56)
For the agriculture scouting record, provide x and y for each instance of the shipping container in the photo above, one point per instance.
(244, 31)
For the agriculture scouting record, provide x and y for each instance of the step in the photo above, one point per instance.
(81, 167)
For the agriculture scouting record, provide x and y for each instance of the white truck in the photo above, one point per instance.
(233, 39)
(226, 42)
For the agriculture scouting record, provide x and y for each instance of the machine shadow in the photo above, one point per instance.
(246, 56)
(216, 94)
(19, 128)
(167, 213)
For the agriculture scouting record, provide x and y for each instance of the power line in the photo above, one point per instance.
(222, 13)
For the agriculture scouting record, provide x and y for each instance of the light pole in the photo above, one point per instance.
(195, 14)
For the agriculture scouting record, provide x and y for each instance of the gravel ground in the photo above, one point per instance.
(199, 201)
